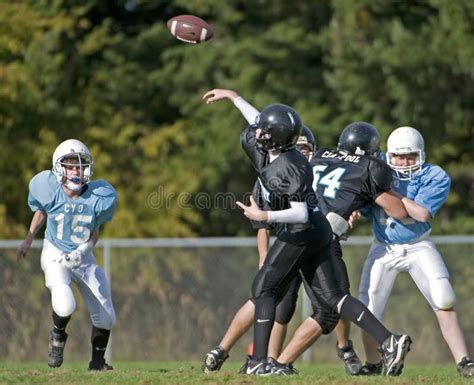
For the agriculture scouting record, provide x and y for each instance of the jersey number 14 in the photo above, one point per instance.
(331, 181)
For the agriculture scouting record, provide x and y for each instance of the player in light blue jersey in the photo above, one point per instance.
(404, 246)
(74, 208)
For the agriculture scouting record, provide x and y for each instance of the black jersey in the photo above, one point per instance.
(287, 179)
(345, 182)
(262, 205)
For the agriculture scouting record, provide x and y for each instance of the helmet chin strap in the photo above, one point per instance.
(73, 184)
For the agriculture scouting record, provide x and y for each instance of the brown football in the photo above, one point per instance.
(190, 29)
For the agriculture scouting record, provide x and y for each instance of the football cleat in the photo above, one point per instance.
(99, 365)
(371, 369)
(394, 350)
(56, 344)
(243, 368)
(257, 368)
(466, 367)
(279, 369)
(349, 357)
(214, 360)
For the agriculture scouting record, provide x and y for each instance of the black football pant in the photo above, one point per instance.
(287, 305)
(325, 297)
(281, 266)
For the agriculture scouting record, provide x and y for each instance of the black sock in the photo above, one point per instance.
(99, 340)
(262, 326)
(60, 323)
(354, 310)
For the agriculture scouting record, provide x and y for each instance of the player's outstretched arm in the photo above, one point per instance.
(39, 217)
(219, 94)
(248, 111)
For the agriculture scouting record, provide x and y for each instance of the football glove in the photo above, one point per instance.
(338, 224)
(72, 260)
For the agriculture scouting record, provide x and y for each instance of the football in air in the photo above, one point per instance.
(190, 29)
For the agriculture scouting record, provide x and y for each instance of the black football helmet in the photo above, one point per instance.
(306, 139)
(360, 138)
(280, 126)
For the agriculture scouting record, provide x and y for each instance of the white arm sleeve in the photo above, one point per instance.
(246, 109)
(298, 213)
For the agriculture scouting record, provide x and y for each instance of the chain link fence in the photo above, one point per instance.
(174, 299)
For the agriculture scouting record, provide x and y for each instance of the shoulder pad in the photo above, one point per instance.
(43, 187)
(434, 171)
(104, 192)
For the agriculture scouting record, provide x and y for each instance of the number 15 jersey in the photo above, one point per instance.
(71, 222)
(345, 182)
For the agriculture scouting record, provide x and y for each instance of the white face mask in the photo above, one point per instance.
(406, 171)
(405, 140)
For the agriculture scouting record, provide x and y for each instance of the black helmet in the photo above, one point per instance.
(359, 138)
(280, 126)
(306, 138)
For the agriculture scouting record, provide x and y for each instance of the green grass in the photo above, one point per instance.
(178, 373)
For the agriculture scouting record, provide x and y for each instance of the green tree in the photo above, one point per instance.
(110, 74)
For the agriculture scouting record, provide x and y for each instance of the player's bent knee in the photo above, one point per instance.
(327, 320)
(63, 301)
(285, 311)
(105, 319)
(442, 294)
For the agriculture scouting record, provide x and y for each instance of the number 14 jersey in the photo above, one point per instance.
(345, 182)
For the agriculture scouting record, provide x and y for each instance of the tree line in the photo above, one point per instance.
(110, 74)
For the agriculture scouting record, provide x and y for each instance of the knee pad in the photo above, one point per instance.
(442, 294)
(62, 300)
(105, 319)
(327, 320)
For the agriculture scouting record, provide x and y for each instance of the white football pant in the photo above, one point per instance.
(425, 265)
(90, 280)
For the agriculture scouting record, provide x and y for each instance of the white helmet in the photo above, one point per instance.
(405, 140)
(69, 149)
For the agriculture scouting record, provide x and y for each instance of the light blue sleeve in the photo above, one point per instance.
(433, 190)
(106, 202)
(41, 191)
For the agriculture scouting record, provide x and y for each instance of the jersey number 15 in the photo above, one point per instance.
(79, 232)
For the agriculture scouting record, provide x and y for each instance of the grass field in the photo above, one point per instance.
(178, 373)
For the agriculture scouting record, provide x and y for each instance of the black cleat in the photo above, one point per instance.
(466, 367)
(243, 368)
(257, 368)
(394, 350)
(279, 369)
(56, 344)
(214, 360)
(99, 366)
(371, 369)
(349, 357)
